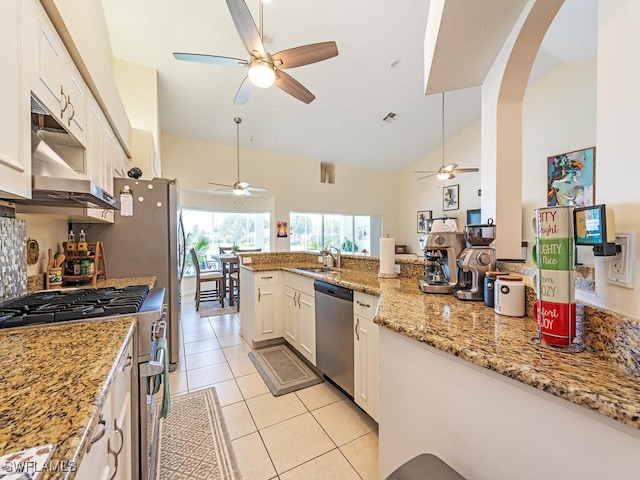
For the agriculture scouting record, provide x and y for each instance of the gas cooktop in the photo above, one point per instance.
(64, 305)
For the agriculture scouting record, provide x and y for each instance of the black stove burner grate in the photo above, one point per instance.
(62, 306)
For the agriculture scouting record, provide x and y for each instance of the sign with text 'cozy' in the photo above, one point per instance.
(554, 282)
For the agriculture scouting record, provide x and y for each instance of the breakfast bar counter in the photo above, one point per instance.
(471, 331)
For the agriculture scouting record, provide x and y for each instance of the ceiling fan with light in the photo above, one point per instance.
(238, 188)
(445, 172)
(265, 69)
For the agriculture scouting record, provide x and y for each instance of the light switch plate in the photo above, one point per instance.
(396, 268)
(620, 268)
(246, 260)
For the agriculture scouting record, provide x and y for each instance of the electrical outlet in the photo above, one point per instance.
(396, 268)
(246, 260)
(620, 268)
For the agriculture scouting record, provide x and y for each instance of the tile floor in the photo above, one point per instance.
(314, 433)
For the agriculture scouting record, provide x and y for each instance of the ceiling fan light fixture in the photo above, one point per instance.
(262, 74)
(445, 176)
(238, 191)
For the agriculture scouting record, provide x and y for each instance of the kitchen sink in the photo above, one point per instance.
(316, 269)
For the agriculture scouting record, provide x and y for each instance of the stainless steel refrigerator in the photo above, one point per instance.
(149, 240)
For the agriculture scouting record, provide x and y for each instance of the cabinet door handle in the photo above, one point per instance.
(259, 294)
(366, 305)
(128, 362)
(266, 278)
(356, 330)
(100, 434)
(121, 433)
(73, 113)
(115, 458)
(66, 101)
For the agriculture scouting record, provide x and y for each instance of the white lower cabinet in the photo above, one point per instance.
(300, 314)
(366, 354)
(109, 455)
(261, 305)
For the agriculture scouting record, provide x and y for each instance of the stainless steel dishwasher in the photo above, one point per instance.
(334, 334)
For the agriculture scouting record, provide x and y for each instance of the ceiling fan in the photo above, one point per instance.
(238, 188)
(265, 69)
(445, 172)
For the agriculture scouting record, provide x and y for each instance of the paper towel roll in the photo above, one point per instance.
(387, 257)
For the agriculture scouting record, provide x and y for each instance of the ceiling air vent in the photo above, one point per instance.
(389, 117)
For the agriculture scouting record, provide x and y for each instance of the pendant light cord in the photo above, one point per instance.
(238, 120)
(442, 130)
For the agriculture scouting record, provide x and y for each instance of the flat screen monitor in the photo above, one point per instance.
(474, 217)
(590, 225)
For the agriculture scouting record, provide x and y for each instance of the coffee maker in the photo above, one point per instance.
(476, 260)
(441, 251)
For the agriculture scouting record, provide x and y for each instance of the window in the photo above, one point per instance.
(350, 233)
(208, 231)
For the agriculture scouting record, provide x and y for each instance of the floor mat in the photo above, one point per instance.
(284, 370)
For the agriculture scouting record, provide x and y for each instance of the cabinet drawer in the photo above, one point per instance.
(365, 305)
(298, 282)
(266, 278)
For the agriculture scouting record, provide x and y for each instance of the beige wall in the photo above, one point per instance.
(294, 183)
(49, 233)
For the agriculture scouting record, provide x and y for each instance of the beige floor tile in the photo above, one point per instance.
(319, 395)
(330, 466)
(222, 329)
(194, 326)
(295, 441)
(267, 409)
(228, 392)
(252, 385)
(181, 366)
(252, 457)
(230, 340)
(242, 366)
(238, 420)
(199, 378)
(198, 336)
(343, 421)
(201, 346)
(204, 359)
(178, 382)
(236, 351)
(362, 454)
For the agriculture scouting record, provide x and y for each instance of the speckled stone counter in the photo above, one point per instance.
(54, 379)
(599, 381)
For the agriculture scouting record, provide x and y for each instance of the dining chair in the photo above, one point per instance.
(216, 277)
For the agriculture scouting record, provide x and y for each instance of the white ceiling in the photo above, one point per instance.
(354, 91)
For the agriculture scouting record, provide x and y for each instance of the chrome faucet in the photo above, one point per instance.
(336, 258)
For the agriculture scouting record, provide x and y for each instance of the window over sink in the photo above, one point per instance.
(312, 232)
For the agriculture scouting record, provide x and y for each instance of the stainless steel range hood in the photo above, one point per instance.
(53, 182)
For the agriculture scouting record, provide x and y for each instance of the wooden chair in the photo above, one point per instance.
(203, 278)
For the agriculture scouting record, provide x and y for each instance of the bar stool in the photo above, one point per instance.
(202, 278)
(425, 467)
(234, 288)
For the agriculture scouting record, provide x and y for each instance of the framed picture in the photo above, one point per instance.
(282, 229)
(423, 216)
(571, 178)
(451, 197)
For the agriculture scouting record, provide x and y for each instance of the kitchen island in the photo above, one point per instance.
(546, 396)
(54, 381)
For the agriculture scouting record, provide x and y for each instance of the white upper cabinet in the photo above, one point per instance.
(54, 79)
(15, 154)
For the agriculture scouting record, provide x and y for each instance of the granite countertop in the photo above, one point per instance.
(54, 379)
(125, 282)
(474, 332)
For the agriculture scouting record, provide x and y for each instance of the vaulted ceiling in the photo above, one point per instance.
(379, 70)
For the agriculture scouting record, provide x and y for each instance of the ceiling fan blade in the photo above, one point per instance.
(244, 92)
(449, 168)
(221, 185)
(306, 54)
(427, 176)
(293, 87)
(212, 59)
(246, 28)
(257, 189)
(465, 170)
(426, 171)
